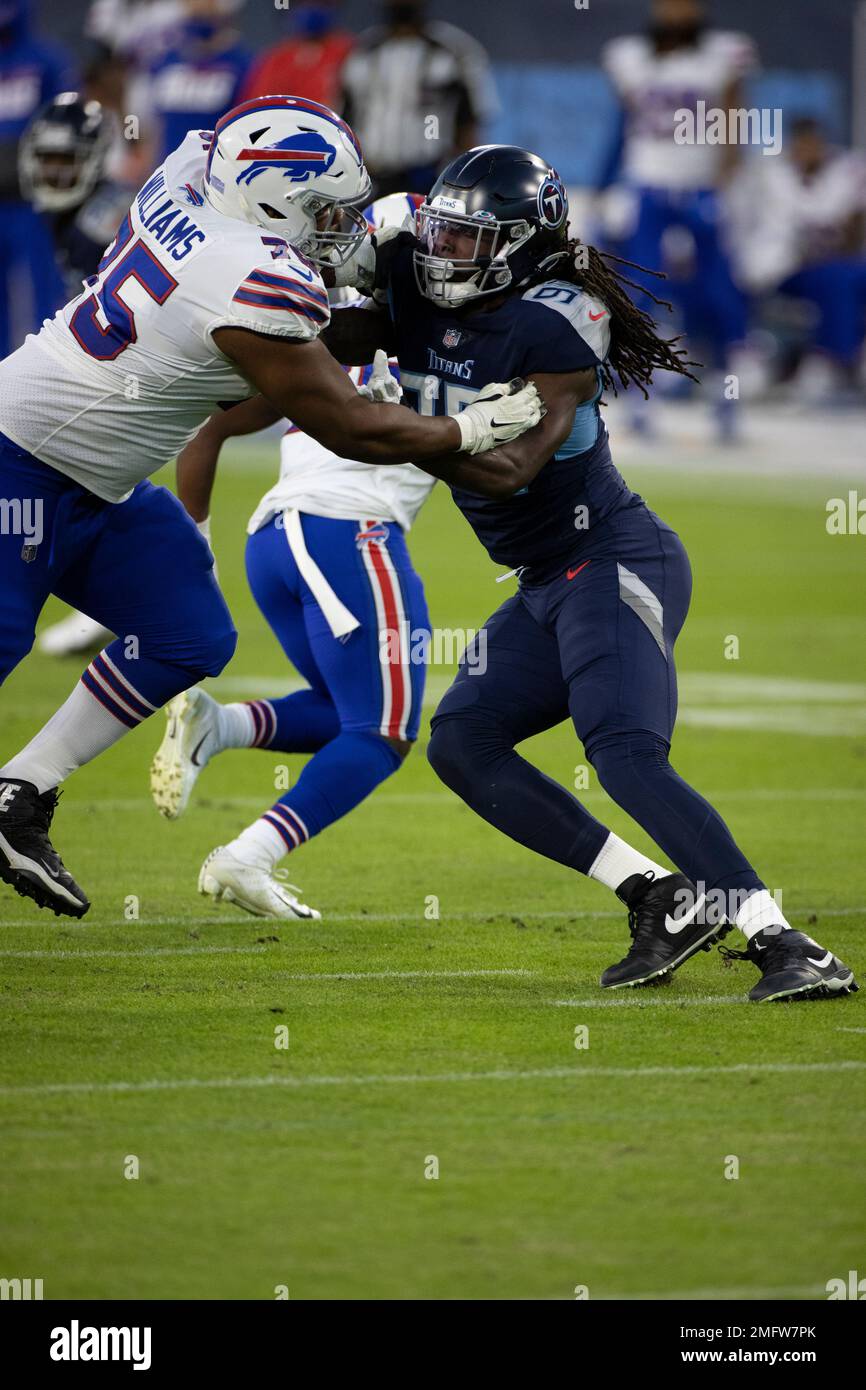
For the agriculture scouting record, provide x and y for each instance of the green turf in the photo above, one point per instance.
(557, 1167)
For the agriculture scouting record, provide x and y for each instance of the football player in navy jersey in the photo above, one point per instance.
(62, 167)
(491, 289)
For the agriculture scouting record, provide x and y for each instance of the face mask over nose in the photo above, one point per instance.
(682, 35)
(314, 21)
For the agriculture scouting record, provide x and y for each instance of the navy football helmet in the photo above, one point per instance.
(62, 152)
(496, 218)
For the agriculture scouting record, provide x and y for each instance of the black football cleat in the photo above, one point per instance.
(667, 925)
(28, 860)
(793, 966)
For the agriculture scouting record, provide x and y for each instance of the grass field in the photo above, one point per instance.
(412, 1037)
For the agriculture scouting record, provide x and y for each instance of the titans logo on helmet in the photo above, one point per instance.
(552, 202)
(299, 155)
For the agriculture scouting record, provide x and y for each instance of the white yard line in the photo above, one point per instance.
(573, 1073)
(413, 918)
(392, 798)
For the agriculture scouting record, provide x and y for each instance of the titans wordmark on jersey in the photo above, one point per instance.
(116, 384)
(447, 357)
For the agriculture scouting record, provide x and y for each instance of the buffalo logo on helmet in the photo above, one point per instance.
(298, 155)
(552, 202)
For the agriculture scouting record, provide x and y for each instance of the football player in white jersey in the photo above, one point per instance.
(328, 566)
(679, 63)
(800, 230)
(210, 291)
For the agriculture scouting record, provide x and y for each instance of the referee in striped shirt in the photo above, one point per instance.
(416, 92)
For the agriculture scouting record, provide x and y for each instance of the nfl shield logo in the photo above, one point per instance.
(452, 337)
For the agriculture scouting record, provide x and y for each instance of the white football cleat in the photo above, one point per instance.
(227, 879)
(189, 742)
(72, 635)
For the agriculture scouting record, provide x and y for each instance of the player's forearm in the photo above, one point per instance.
(388, 434)
(497, 474)
(196, 470)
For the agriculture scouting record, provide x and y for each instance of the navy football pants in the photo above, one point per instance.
(598, 648)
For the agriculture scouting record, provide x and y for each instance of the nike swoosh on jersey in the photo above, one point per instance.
(595, 317)
(678, 925)
(572, 574)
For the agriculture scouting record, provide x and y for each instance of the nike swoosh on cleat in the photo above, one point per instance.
(194, 755)
(821, 963)
(674, 926)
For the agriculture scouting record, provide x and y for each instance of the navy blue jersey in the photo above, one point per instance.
(447, 357)
(82, 234)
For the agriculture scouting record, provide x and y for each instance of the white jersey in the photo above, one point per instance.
(781, 221)
(116, 384)
(654, 86)
(314, 480)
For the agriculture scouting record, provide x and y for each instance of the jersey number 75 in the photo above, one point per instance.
(121, 264)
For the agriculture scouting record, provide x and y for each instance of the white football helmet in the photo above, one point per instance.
(395, 210)
(295, 168)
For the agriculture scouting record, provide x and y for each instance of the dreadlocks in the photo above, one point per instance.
(636, 350)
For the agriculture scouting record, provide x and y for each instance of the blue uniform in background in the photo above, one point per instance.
(604, 588)
(31, 73)
(195, 82)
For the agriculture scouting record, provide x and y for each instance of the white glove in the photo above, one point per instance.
(382, 386)
(502, 411)
(360, 271)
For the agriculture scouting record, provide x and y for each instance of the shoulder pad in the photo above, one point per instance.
(588, 317)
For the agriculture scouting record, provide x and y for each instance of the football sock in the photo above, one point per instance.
(475, 759)
(634, 771)
(617, 861)
(333, 782)
(300, 723)
(79, 730)
(760, 910)
(116, 693)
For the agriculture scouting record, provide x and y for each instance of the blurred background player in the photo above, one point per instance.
(61, 161)
(126, 40)
(673, 187)
(198, 78)
(31, 72)
(308, 63)
(800, 223)
(418, 92)
(328, 566)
